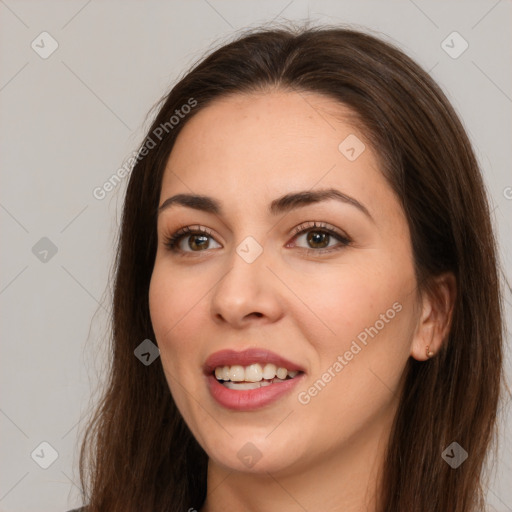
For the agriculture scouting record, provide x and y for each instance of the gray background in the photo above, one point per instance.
(69, 121)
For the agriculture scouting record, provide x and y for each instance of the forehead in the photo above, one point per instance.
(288, 134)
(264, 145)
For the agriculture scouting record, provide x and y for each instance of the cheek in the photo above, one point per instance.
(168, 306)
(356, 302)
(174, 310)
(177, 308)
(163, 302)
(171, 297)
(371, 319)
(369, 311)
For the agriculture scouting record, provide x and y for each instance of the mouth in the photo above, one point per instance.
(254, 376)
(250, 379)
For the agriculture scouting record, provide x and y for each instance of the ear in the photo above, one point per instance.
(437, 303)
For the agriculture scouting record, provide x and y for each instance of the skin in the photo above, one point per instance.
(245, 151)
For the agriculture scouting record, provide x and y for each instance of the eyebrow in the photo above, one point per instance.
(277, 206)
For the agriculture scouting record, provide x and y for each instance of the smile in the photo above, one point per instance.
(250, 379)
(253, 376)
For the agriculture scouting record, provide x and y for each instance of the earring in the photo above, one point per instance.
(429, 352)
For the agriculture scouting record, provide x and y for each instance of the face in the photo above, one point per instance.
(328, 286)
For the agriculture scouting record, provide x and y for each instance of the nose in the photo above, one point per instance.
(248, 291)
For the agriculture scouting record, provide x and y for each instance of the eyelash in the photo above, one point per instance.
(171, 242)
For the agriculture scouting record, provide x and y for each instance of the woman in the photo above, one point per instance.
(335, 342)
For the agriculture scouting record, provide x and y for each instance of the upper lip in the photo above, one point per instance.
(247, 357)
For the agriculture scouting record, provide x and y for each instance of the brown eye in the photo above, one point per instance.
(198, 240)
(318, 238)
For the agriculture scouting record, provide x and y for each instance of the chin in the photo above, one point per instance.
(254, 454)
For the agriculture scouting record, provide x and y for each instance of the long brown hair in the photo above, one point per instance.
(138, 455)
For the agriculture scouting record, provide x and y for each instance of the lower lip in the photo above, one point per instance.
(250, 399)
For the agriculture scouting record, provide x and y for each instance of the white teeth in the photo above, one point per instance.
(254, 373)
(282, 373)
(269, 372)
(242, 385)
(249, 385)
(237, 373)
